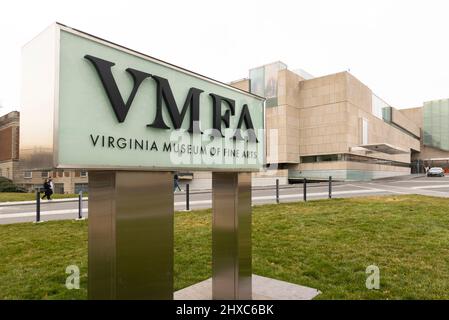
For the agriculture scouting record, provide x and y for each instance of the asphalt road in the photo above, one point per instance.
(56, 210)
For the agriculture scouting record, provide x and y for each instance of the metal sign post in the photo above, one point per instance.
(130, 235)
(231, 236)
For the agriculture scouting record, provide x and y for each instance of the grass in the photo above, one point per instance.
(324, 244)
(12, 196)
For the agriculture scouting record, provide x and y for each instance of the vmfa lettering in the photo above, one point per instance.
(222, 108)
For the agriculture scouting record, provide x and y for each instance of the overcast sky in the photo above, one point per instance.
(400, 49)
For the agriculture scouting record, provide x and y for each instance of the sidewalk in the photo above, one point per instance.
(413, 190)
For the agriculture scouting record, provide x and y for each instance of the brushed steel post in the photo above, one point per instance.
(130, 235)
(231, 236)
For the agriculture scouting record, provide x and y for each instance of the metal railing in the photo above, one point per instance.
(38, 207)
(187, 198)
(277, 193)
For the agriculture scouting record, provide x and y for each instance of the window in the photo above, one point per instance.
(7, 173)
(352, 158)
(436, 124)
(44, 174)
(1, 172)
(322, 158)
(329, 157)
(83, 174)
(84, 187)
(378, 106)
(364, 131)
(28, 174)
(264, 81)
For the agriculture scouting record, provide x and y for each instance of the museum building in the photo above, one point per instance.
(316, 127)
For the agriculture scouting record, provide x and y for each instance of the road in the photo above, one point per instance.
(58, 210)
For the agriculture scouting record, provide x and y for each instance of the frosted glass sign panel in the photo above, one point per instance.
(104, 106)
(436, 124)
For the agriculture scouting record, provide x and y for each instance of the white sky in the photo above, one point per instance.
(400, 49)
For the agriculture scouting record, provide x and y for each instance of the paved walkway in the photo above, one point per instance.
(263, 289)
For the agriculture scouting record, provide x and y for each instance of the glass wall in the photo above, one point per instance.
(379, 106)
(385, 112)
(352, 158)
(436, 124)
(264, 81)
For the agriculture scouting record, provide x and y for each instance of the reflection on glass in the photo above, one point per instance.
(271, 76)
(352, 158)
(378, 107)
(436, 124)
(264, 81)
(257, 81)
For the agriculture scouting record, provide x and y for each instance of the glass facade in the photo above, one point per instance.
(264, 81)
(352, 158)
(385, 112)
(378, 106)
(436, 124)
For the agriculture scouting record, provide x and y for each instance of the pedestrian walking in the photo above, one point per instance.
(176, 183)
(52, 186)
(47, 190)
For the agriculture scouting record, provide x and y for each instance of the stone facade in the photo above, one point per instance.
(322, 118)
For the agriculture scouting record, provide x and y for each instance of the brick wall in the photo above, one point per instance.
(6, 145)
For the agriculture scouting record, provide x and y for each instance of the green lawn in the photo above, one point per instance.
(12, 196)
(325, 244)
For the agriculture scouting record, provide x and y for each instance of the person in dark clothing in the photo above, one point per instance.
(176, 183)
(47, 190)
